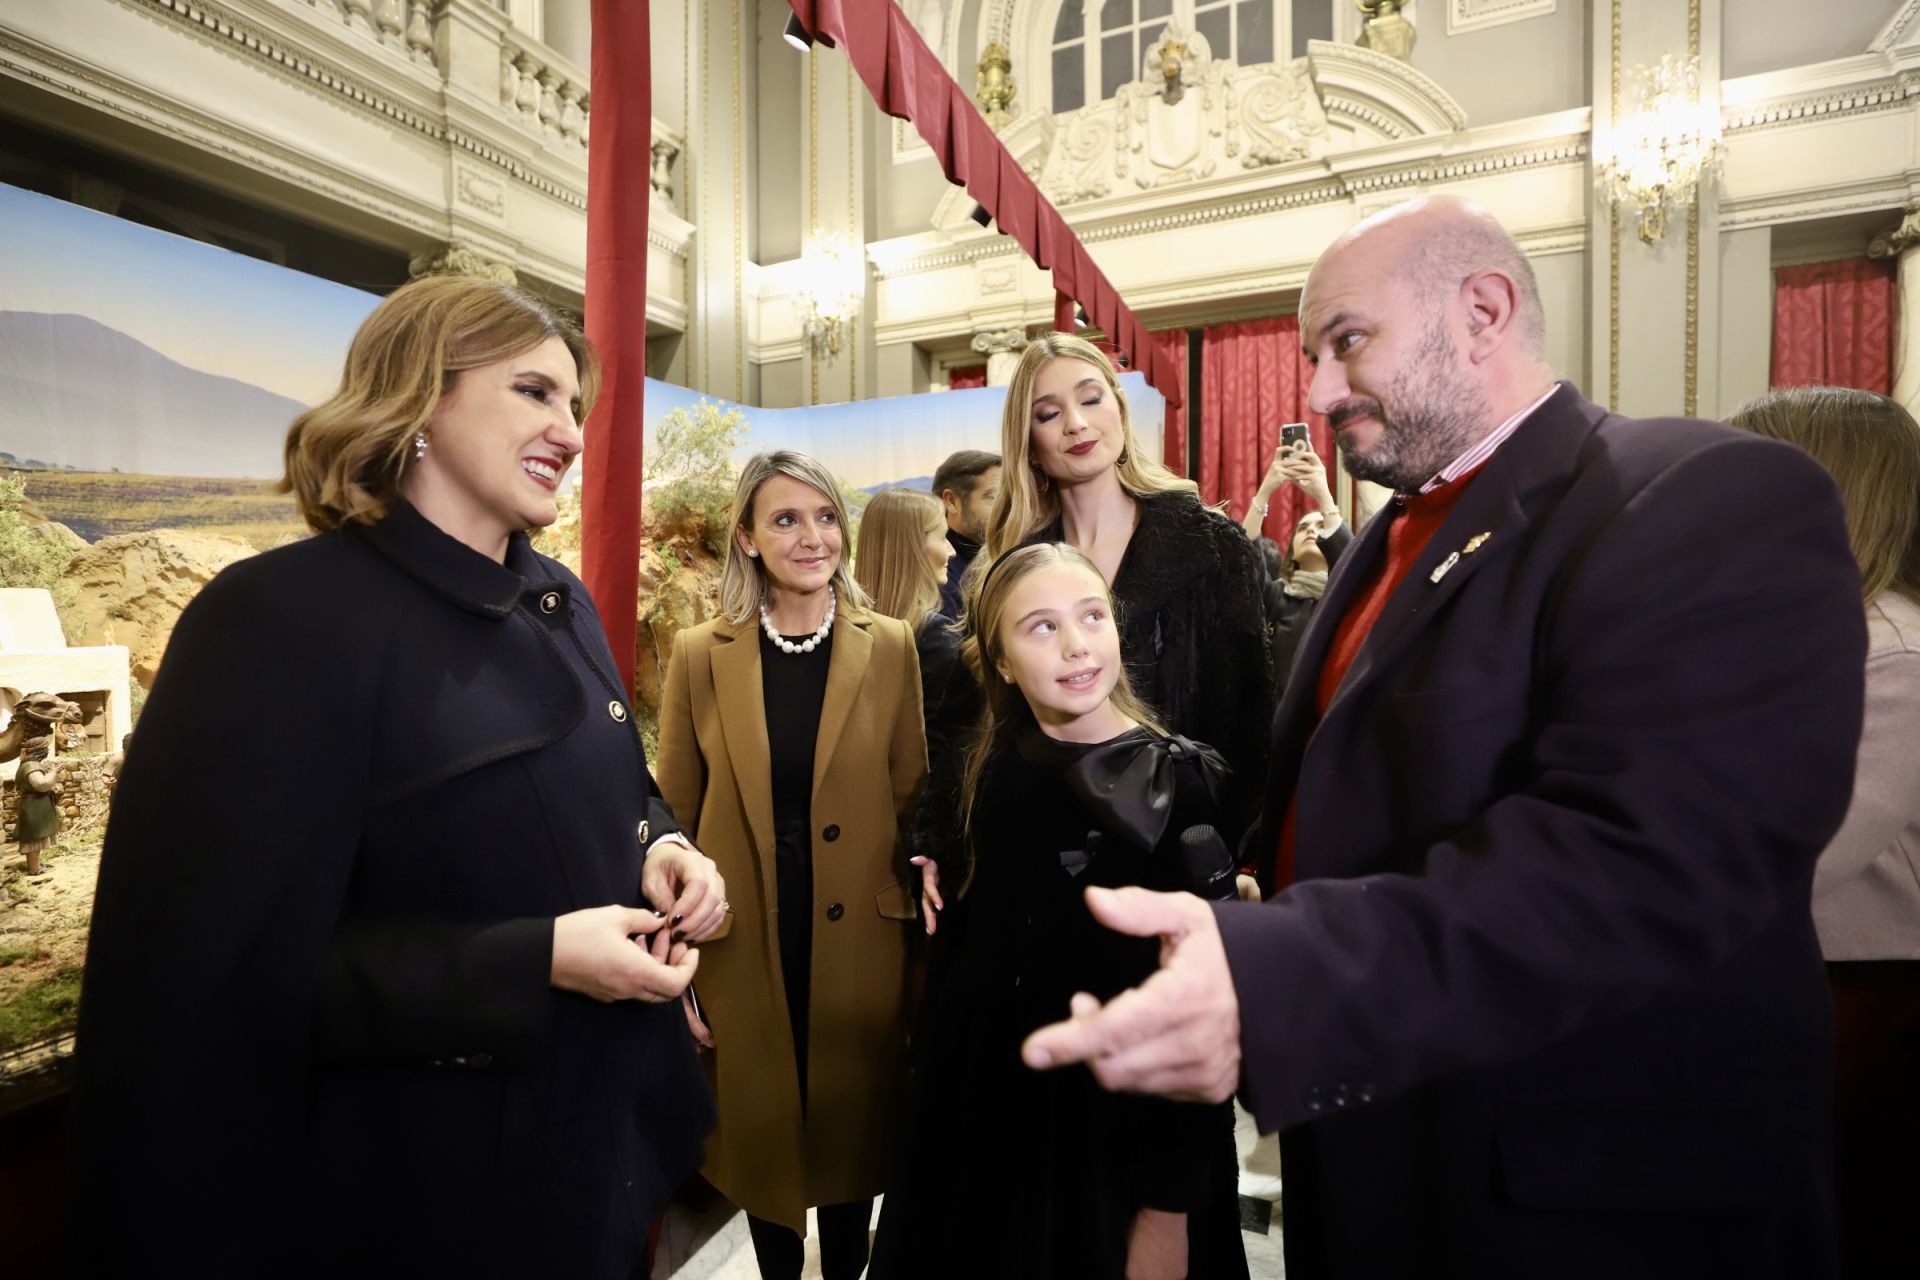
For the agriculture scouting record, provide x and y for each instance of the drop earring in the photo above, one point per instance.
(419, 445)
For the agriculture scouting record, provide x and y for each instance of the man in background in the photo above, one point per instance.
(966, 484)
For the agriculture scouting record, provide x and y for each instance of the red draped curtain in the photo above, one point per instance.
(967, 375)
(1253, 379)
(1173, 344)
(1833, 325)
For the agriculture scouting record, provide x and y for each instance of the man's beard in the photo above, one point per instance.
(1442, 413)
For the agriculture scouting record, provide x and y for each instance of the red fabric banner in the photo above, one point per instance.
(966, 376)
(1170, 345)
(1833, 325)
(619, 155)
(909, 81)
(1253, 380)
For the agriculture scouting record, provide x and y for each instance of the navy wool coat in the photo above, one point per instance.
(316, 1029)
(1546, 998)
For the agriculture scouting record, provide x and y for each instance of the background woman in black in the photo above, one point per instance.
(1186, 581)
(376, 983)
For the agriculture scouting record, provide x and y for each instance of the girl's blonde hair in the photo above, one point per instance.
(892, 565)
(982, 649)
(1028, 502)
(345, 457)
(743, 579)
(1871, 447)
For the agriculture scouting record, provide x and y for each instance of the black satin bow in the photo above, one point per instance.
(1128, 784)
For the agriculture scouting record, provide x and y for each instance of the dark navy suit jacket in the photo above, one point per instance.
(1546, 999)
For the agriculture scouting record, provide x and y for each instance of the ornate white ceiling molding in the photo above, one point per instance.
(1385, 87)
(1882, 93)
(167, 117)
(366, 77)
(1893, 193)
(1473, 15)
(1309, 185)
(1901, 29)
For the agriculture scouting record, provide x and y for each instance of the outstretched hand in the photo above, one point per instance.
(1177, 1033)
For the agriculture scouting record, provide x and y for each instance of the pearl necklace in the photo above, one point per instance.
(805, 646)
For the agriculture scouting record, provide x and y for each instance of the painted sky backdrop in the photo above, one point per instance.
(123, 347)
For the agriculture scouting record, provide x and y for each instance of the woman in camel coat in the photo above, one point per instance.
(802, 999)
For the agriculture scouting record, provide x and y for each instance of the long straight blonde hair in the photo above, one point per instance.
(983, 646)
(743, 579)
(1028, 502)
(1870, 445)
(892, 564)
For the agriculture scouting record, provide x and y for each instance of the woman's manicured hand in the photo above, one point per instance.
(620, 953)
(683, 882)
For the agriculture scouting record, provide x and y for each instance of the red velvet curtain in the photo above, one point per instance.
(1833, 325)
(1172, 344)
(967, 375)
(619, 193)
(1253, 380)
(909, 82)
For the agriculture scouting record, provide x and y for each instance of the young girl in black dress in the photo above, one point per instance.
(1010, 1172)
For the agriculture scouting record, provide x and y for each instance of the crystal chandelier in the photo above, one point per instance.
(833, 280)
(1665, 150)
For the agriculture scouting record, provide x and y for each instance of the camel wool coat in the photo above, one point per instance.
(769, 1155)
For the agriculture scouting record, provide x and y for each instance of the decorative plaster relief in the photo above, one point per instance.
(1187, 116)
(479, 192)
(996, 277)
(1472, 15)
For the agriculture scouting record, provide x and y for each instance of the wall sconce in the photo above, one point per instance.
(833, 282)
(1665, 150)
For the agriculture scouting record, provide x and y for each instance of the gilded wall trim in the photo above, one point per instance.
(1613, 238)
(1691, 395)
(739, 219)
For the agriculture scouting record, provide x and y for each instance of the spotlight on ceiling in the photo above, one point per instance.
(1080, 320)
(796, 34)
(981, 216)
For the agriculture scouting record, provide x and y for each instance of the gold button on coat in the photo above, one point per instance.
(618, 710)
(550, 602)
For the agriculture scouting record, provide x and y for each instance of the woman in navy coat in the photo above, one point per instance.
(391, 918)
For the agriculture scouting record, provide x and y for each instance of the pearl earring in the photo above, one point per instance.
(753, 553)
(419, 445)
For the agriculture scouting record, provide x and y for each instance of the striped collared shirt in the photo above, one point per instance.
(1484, 448)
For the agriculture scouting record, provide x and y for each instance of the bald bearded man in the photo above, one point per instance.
(1575, 718)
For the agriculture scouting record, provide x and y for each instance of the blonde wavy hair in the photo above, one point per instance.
(1027, 502)
(743, 579)
(983, 647)
(345, 457)
(892, 564)
(1870, 445)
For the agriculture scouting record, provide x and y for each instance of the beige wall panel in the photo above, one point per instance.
(1525, 68)
(783, 384)
(780, 131)
(1563, 302)
(1746, 319)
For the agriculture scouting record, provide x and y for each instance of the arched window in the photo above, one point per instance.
(1104, 41)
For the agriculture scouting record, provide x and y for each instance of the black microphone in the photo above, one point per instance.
(1208, 863)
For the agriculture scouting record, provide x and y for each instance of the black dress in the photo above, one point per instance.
(1009, 1172)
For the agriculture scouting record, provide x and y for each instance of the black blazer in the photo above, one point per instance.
(316, 1031)
(1546, 1000)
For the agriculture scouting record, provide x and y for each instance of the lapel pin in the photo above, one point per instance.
(1474, 543)
(1441, 571)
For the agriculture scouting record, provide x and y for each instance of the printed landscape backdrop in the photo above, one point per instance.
(146, 381)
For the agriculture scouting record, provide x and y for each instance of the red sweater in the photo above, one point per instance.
(1415, 520)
